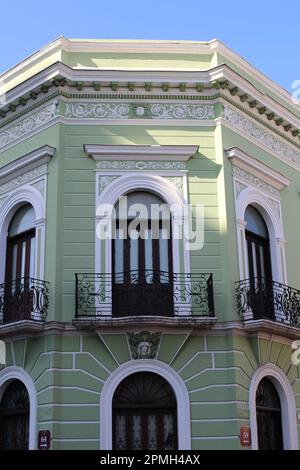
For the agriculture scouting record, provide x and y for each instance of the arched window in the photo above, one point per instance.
(20, 264)
(21, 244)
(14, 417)
(269, 419)
(142, 256)
(259, 259)
(144, 414)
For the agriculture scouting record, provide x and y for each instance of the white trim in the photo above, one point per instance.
(288, 405)
(145, 365)
(14, 200)
(138, 152)
(26, 163)
(144, 181)
(256, 168)
(17, 373)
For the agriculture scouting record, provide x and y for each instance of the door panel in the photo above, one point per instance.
(144, 285)
(144, 430)
(260, 274)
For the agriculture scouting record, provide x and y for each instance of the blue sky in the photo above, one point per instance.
(265, 33)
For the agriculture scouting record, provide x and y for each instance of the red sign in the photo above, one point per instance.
(44, 440)
(245, 436)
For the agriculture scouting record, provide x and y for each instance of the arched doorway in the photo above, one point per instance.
(268, 415)
(142, 256)
(20, 265)
(144, 414)
(14, 417)
(259, 265)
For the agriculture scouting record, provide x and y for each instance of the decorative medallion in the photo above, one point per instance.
(143, 345)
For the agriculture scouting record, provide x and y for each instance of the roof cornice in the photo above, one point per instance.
(221, 76)
(150, 47)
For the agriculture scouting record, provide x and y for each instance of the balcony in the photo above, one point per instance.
(23, 299)
(265, 299)
(144, 294)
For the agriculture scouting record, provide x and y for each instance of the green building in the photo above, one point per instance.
(179, 342)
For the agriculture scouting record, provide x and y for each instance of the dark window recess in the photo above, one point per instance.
(14, 417)
(269, 420)
(144, 414)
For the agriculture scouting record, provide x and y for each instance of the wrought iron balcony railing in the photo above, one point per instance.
(261, 298)
(139, 293)
(24, 299)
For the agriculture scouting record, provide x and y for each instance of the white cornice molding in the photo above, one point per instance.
(149, 47)
(155, 76)
(138, 152)
(27, 162)
(256, 168)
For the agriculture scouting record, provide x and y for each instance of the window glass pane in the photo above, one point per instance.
(32, 258)
(254, 259)
(262, 261)
(255, 223)
(136, 432)
(119, 257)
(134, 254)
(120, 432)
(23, 259)
(152, 432)
(14, 262)
(168, 432)
(23, 220)
(163, 258)
(148, 250)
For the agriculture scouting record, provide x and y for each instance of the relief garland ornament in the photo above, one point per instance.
(258, 133)
(24, 179)
(254, 181)
(143, 345)
(25, 126)
(140, 165)
(132, 110)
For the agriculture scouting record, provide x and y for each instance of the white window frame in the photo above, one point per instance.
(156, 367)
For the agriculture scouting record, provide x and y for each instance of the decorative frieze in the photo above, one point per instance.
(253, 181)
(262, 136)
(140, 165)
(29, 124)
(182, 111)
(25, 178)
(97, 111)
(143, 345)
(81, 110)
